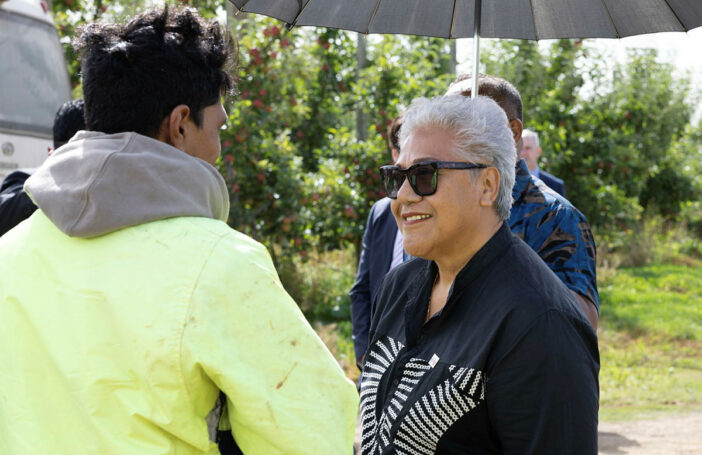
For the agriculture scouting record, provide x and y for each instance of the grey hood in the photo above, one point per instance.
(99, 183)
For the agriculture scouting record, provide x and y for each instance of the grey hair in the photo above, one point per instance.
(481, 134)
(532, 134)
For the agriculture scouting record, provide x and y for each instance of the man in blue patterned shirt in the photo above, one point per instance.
(546, 221)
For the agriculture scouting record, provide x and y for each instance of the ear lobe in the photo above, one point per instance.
(490, 186)
(177, 127)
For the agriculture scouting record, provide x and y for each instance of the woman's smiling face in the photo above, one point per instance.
(434, 226)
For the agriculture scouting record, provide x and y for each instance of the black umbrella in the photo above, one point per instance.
(522, 19)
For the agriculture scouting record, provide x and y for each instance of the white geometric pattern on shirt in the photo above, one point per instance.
(432, 415)
(429, 417)
(380, 356)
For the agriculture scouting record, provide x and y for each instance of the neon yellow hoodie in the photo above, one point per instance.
(120, 342)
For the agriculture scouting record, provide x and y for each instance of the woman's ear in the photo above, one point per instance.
(174, 127)
(489, 186)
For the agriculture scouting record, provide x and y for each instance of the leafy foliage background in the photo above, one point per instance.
(302, 179)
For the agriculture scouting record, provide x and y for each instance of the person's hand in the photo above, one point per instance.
(588, 308)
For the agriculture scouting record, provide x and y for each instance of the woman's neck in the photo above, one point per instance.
(450, 266)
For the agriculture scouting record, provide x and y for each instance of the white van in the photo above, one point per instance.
(34, 82)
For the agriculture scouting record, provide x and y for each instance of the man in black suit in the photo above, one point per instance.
(531, 151)
(382, 250)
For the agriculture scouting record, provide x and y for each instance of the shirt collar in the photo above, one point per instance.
(415, 309)
(521, 179)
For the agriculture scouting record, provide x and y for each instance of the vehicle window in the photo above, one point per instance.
(33, 76)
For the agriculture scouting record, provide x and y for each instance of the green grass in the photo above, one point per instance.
(663, 300)
(650, 341)
(650, 333)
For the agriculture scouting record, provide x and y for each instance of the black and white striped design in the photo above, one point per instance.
(428, 418)
(435, 412)
(380, 356)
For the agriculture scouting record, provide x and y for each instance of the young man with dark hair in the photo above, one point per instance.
(136, 321)
(15, 205)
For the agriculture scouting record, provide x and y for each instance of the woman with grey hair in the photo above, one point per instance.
(475, 345)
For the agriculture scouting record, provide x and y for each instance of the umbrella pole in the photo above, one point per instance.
(476, 47)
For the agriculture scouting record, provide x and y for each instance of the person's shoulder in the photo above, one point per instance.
(229, 237)
(539, 199)
(403, 278)
(535, 288)
(380, 206)
(220, 249)
(546, 177)
(380, 213)
(223, 239)
(553, 182)
(15, 179)
(546, 215)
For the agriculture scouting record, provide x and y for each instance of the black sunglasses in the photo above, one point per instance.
(422, 176)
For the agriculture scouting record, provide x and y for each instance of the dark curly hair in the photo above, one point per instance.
(68, 121)
(134, 74)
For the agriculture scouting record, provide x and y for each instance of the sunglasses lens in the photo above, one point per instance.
(423, 179)
(392, 181)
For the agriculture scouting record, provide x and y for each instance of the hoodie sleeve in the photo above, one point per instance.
(285, 391)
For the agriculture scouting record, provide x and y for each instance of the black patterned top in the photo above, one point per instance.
(509, 366)
(557, 231)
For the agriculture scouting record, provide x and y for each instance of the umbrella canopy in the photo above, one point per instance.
(522, 19)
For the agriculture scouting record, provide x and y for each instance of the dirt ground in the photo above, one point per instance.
(669, 435)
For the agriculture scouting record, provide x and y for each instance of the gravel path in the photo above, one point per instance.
(669, 435)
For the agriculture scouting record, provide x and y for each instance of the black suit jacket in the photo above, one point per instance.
(374, 263)
(553, 182)
(15, 204)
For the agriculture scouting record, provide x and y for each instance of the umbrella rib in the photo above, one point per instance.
(677, 18)
(370, 22)
(241, 10)
(533, 19)
(301, 8)
(604, 5)
(453, 19)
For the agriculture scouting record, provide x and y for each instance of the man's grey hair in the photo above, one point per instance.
(481, 135)
(533, 135)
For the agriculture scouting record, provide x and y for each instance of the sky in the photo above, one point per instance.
(683, 50)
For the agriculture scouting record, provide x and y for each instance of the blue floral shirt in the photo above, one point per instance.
(557, 231)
